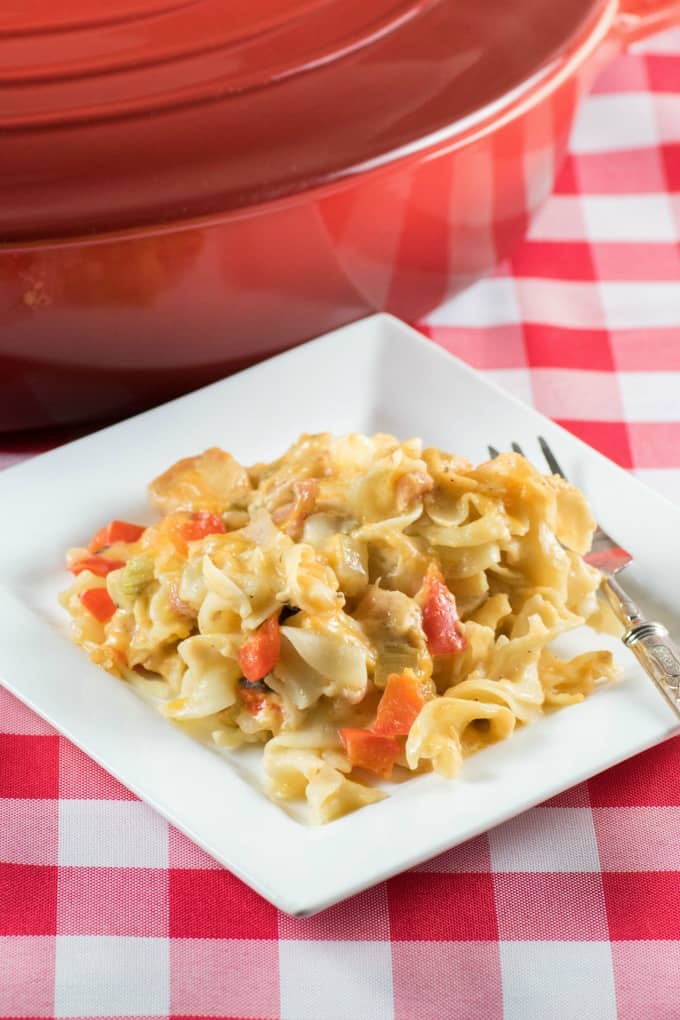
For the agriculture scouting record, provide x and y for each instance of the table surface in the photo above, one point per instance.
(571, 910)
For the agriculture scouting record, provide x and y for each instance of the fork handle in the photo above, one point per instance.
(651, 643)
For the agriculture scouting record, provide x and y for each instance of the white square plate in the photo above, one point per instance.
(376, 375)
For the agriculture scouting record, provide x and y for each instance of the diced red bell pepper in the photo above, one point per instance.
(98, 565)
(441, 622)
(116, 531)
(260, 653)
(254, 701)
(98, 603)
(399, 706)
(200, 524)
(371, 751)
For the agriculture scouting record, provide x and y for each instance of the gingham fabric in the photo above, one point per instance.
(571, 911)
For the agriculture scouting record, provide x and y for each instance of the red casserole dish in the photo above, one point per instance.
(192, 185)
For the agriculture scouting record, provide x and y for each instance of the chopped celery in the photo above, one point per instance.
(135, 576)
(394, 657)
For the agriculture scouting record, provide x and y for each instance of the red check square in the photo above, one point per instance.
(28, 899)
(554, 260)
(642, 904)
(439, 906)
(561, 347)
(215, 904)
(567, 180)
(609, 437)
(670, 155)
(648, 780)
(662, 72)
(29, 765)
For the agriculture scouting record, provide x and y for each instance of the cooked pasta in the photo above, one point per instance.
(358, 605)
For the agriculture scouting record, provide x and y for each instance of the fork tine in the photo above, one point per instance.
(550, 458)
(517, 448)
(493, 452)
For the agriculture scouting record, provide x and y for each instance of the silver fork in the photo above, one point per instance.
(655, 650)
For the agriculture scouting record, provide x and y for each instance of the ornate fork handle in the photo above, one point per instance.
(655, 650)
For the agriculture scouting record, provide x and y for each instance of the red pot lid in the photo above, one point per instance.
(119, 113)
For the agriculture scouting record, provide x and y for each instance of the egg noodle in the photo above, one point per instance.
(359, 604)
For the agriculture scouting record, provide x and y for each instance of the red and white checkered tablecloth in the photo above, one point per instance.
(571, 911)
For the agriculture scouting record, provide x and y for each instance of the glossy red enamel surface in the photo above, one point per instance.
(101, 328)
(189, 187)
(126, 114)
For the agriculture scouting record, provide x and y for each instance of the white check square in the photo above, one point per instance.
(647, 305)
(546, 839)
(664, 480)
(622, 120)
(560, 219)
(110, 834)
(314, 983)
(490, 302)
(569, 980)
(514, 380)
(629, 218)
(573, 394)
(111, 976)
(651, 396)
